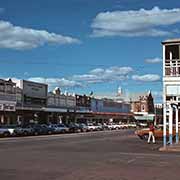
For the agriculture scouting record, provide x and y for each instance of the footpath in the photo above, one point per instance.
(171, 148)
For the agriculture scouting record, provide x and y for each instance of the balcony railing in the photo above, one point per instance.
(7, 97)
(172, 67)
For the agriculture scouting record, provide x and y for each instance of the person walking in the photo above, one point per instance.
(151, 133)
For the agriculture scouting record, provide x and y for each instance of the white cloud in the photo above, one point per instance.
(56, 82)
(135, 23)
(147, 78)
(97, 75)
(15, 80)
(20, 38)
(100, 75)
(153, 60)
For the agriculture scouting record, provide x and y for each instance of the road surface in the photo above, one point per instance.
(110, 155)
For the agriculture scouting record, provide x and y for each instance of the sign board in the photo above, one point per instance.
(8, 107)
(173, 90)
(33, 89)
(1, 107)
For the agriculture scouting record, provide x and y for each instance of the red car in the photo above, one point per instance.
(158, 133)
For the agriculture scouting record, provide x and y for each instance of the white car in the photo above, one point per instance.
(132, 125)
(91, 127)
(113, 126)
(123, 126)
(144, 125)
(7, 130)
(99, 127)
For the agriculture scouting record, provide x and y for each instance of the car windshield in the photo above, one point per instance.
(61, 125)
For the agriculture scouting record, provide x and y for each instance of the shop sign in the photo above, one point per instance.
(7, 107)
(1, 107)
(33, 89)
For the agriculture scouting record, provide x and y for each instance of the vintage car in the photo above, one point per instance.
(158, 133)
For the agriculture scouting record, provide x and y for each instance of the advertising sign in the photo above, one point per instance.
(33, 89)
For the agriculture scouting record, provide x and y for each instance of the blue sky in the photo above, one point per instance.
(87, 45)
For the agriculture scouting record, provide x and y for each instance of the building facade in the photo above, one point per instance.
(31, 101)
(7, 101)
(143, 107)
(60, 106)
(109, 105)
(158, 111)
(106, 110)
(171, 87)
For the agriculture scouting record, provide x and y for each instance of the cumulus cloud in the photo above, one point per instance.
(135, 23)
(100, 75)
(20, 38)
(153, 60)
(147, 78)
(56, 82)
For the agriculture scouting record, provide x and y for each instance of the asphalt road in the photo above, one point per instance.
(112, 155)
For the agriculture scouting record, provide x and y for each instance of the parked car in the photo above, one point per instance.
(83, 127)
(109, 126)
(91, 127)
(4, 132)
(99, 127)
(123, 126)
(105, 126)
(41, 129)
(59, 128)
(7, 130)
(113, 126)
(158, 133)
(74, 128)
(132, 125)
(142, 125)
(24, 130)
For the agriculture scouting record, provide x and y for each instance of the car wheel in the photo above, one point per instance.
(63, 131)
(49, 132)
(145, 136)
(36, 133)
(6, 134)
(141, 137)
(25, 133)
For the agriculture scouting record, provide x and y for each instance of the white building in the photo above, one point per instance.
(171, 88)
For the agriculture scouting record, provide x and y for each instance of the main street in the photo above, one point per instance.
(111, 155)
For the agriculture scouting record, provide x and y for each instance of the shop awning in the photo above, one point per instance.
(54, 110)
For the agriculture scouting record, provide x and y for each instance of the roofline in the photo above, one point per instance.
(171, 41)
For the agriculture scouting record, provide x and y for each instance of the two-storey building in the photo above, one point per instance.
(171, 87)
(7, 101)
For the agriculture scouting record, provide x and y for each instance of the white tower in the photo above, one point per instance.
(119, 91)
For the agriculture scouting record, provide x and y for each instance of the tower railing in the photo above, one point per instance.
(172, 67)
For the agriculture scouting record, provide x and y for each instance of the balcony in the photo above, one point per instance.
(7, 97)
(172, 67)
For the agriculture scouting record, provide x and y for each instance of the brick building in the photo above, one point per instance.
(142, 106)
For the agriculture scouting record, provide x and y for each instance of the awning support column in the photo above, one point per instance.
(164, 126)
(170, 125)
(177, 120)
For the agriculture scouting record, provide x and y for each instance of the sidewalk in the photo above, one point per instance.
(170, 148)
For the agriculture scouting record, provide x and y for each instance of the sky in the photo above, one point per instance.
(87, 45)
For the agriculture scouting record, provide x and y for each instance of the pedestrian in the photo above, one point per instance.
(151, 133)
